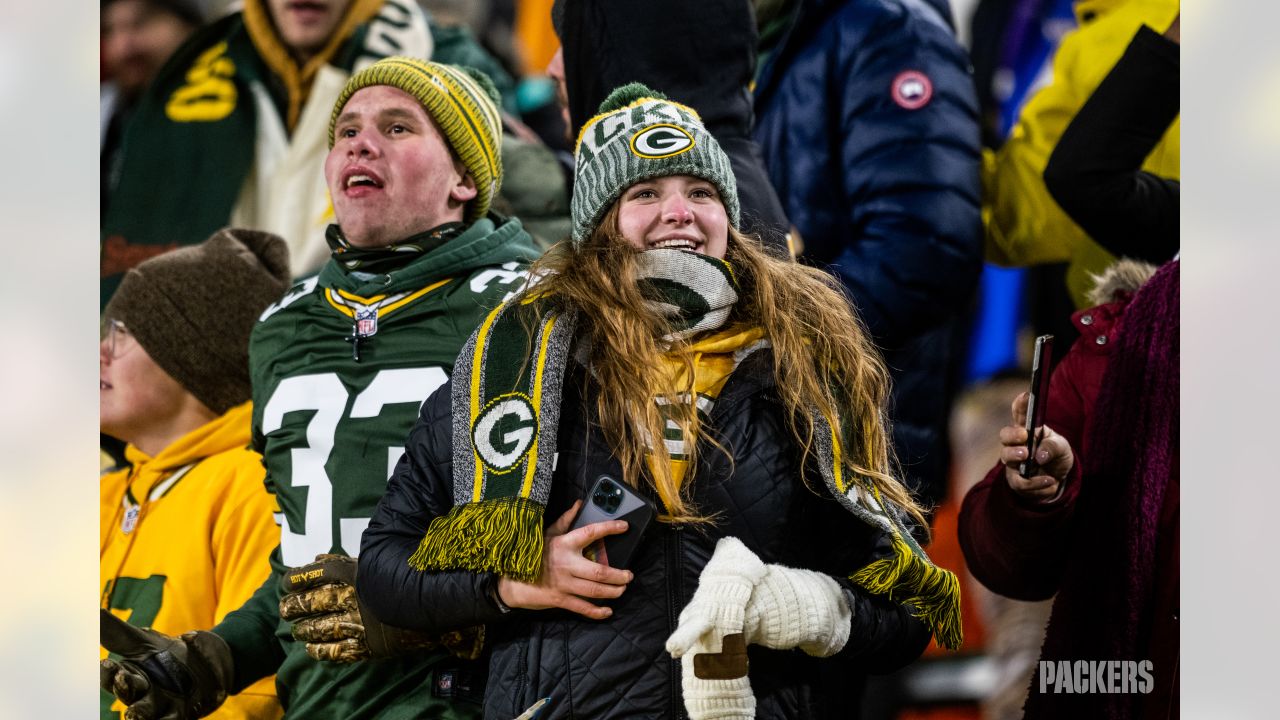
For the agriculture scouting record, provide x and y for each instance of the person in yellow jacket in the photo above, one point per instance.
(187, 526)
(1023, 223)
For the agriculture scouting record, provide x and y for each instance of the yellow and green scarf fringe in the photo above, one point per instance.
(906, 575)
(506, 411)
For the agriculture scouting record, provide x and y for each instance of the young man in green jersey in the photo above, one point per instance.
(340, 367)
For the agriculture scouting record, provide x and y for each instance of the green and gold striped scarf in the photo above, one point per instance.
(506, 413)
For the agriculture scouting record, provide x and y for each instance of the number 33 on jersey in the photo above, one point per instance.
(331, 427)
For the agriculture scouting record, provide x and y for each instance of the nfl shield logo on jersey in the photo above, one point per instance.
(366, 321)
(130, 519)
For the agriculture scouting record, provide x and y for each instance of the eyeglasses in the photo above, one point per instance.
(113, 334)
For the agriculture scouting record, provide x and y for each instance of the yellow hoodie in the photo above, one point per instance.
(715, 357)
(185, 539)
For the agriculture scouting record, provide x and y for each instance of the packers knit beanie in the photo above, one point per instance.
(461, 100)
(640, 135)
(192, 309)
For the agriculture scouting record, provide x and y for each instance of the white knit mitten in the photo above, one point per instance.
(741, 601)
(718, 606)
(710, 638)
(792, 608)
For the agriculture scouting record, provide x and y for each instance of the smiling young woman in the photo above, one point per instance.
(736, 390)
(680, 212)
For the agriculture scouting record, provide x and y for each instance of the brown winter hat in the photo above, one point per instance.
(193, 309)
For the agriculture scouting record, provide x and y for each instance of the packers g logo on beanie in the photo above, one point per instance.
(639, 135)
(661, 141)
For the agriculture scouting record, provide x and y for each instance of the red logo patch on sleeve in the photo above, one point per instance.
(911, 89)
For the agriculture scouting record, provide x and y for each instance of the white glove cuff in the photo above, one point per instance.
(724, 589)
(715, 698)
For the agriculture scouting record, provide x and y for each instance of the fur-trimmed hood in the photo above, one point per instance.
(1125, 275)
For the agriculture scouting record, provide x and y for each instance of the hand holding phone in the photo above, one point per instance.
(609, 499)
(1028, 439)
(567, 580)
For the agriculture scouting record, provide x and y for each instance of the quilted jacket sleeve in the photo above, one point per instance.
(909, 147)
(420, 489)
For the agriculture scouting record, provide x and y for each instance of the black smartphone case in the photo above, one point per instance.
(636, 510)
(1038, 401)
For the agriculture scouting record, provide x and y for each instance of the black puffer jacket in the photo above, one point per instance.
(618, 668)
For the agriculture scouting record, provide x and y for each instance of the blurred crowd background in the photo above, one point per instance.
(1011, 44)
(1036, 269)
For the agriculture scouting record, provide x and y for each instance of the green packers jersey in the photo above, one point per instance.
(341, 366)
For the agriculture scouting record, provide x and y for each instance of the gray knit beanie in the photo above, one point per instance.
(640, 135)
(192, 309)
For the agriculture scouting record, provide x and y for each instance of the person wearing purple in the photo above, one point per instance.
(1098, 524)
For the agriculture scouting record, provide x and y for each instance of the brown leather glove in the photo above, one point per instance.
(321, 604)
(161, 677)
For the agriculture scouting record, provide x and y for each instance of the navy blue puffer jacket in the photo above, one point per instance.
(868, 120)
(619, 668)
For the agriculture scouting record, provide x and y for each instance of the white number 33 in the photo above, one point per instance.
(326, 394)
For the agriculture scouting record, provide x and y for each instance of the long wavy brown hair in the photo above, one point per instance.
(822, 359)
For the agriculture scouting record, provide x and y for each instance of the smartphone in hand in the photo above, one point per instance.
(609, 499)
(1038, 401)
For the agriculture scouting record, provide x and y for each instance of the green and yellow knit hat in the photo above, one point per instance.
(461, 100)
(640, 135)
